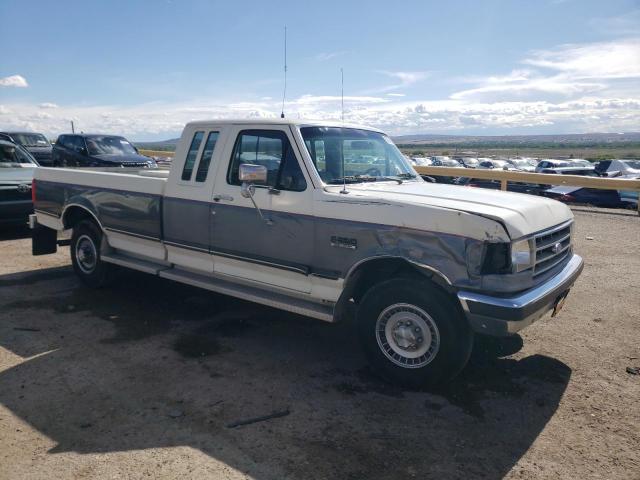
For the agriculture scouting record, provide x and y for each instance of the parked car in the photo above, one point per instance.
(522, 164)
(494, 163)
(468, 162)
(564, 167)
(35, 143)
(581, 162)
(16, 173)
(419, 267)
(618, 167)
(73, 150)
(443, 161)
(520, 187)
(590, 196)
(421, 161)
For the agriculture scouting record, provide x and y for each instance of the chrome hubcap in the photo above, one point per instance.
(86, 254)
(407, 335)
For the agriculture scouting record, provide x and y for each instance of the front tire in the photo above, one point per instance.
(413, 333)
(85, 255)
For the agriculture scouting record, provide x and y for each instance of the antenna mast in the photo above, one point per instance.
(284, 93)
(342, 92)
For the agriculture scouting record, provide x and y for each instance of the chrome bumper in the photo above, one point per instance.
(501, 316)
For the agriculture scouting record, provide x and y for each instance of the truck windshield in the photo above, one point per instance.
(12, 155)
(353, 155)
(30, 139)
(110, 146)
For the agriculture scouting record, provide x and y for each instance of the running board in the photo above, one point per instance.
(133, 263)
(252, 294)
(244, 292)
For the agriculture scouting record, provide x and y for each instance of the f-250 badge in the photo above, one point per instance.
(344, 242)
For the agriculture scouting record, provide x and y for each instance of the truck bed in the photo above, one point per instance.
(124, 200)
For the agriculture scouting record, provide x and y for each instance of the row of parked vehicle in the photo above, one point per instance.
(620, 168)
(80, 150)
(22, 152)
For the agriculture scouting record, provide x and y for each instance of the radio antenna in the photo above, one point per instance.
(284, 93)
(342, 92)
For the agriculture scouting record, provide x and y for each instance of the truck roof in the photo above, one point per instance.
(282, 121)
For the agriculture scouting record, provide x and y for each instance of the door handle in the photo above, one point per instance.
(217, 198)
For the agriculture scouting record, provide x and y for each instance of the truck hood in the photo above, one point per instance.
(521, 214)
(119, 159)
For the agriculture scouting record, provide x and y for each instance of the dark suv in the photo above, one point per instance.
(35, 143)
(97, 151)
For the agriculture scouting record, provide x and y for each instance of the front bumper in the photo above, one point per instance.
(501, 316)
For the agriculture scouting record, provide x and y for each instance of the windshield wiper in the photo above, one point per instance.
(406, 176)
(362, 178)
(348, 179)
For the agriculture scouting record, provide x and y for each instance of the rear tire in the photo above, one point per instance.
(413, 333)
(85, 255)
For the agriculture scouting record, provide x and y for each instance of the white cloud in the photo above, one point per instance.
(395, 115)
(565, 72)
(48, 105)
(557, 91)
(17, 81)
(403, 79)
(521, 84)
(324, 56)
(605, 60)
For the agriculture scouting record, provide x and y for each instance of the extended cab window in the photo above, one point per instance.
(207, 154)
(191, 156)
(270, 148)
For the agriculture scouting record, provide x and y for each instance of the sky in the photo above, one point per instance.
(144, 68)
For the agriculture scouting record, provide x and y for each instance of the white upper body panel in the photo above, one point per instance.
(520, 213)
(470, 212)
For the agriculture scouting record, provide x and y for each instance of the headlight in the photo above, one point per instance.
(496, 259)
(521, 255)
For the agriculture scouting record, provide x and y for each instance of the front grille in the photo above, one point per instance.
(135, 164)
(552, 247)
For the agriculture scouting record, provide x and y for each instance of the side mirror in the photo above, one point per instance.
(83, 151)
(250, 175)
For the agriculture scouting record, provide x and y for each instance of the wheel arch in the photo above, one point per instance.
(74, 213)
(367, 272)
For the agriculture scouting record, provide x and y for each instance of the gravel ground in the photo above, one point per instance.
(146, 379)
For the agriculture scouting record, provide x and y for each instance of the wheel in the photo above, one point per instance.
(413, 333)
(85, 255)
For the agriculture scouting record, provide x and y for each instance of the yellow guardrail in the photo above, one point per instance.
(506, 176)
(155, 153)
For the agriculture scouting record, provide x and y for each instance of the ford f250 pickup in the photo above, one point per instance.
(325, 220)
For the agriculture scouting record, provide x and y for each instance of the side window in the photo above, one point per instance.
(271, 149)
(207, 154)
(77, 144)
(191, 156)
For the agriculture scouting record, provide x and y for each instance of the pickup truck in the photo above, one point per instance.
(329, 221)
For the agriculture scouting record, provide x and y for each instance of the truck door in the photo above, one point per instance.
(275, 249)
(186, 212)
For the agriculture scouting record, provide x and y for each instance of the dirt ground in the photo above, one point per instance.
(145, 380)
